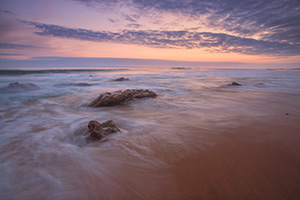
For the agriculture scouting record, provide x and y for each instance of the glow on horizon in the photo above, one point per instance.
(65, 48)
(79, 28)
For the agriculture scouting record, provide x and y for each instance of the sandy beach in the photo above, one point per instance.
(258, 161)
(200, 137)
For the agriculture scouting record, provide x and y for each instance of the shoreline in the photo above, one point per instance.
(200, 139)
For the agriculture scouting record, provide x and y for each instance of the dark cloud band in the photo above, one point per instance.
(16, 46)
(213, 42)
(271, 20)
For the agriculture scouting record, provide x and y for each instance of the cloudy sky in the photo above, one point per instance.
(248, 31)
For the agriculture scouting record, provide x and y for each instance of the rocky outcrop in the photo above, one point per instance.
(234, 84)
(97, 130)
(20, 87)
(120, 97)
(122, 79)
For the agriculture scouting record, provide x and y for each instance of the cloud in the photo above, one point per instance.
(134, 25)
(272, 20)
(213, 42)
(16, 46)
(6, 12)
(129, 18)
(112, 21)
(11, 54)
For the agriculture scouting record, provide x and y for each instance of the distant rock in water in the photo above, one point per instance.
(260, 85)
(75, 84)
(20, 87)
(122, 79)
(98, 131)
(119, 97)
(83, 84)
(234, 84)
(185, 68)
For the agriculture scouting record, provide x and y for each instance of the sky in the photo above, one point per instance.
(162, 32)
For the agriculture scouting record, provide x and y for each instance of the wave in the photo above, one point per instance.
(19, 87)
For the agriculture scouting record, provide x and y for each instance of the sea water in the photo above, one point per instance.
(43, 149)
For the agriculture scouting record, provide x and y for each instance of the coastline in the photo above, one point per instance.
(199, 139)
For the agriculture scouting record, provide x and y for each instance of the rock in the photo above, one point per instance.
(75, 84)
(83, 84)
(122, 79)
(20, 87)
(119, 97)
(23, 86)
(180, 68)
(234, 84)
(98, 131)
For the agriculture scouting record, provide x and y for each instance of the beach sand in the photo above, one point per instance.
(199, 139)
(260, 160)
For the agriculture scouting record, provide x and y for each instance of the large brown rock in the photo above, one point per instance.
(119, 97)
(98, 131)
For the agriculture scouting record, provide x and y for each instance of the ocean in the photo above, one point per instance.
(169, 147)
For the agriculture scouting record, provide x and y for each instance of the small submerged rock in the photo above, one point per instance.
(83, 84)
(234, 84)
(259, 85)
(122, 79)
(20, 87)
(185, 68)
(120, 97)
(75, 84)
(98, 131)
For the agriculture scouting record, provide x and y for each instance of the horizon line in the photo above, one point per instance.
(86, 62)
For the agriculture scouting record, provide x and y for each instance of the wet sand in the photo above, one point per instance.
(260, 160)
(200, 139)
